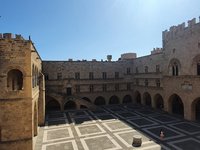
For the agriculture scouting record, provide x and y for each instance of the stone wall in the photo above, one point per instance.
(18, 98)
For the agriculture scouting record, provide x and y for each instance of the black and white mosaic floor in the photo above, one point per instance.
(113, 127)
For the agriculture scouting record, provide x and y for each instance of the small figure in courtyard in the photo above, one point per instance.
(162, 135)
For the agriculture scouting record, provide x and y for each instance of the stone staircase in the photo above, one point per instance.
(79, 101)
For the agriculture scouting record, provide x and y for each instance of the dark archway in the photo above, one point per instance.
(137, 97)
(87, 99)
(83, 107)
(52, 105)
(114, 100)
(127, 99)
(100, 101)
(147, 99)
(196, 109)
(159, 103)
(70, 105)
(176, 105)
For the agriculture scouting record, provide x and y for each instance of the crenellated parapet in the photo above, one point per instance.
(156, 51)
(181, 30)
(11, 36)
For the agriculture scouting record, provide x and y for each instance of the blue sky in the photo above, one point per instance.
(92, 29)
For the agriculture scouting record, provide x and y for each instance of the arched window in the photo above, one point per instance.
(14, 80)
(175, 69)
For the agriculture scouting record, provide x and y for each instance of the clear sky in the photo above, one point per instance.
(92, 29)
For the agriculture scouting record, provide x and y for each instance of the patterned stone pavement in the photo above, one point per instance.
(113, 127)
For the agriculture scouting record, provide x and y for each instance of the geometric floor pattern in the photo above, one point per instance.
(113, 127)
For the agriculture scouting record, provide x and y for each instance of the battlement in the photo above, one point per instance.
(180, 30)
(11, 36)
(156, 51)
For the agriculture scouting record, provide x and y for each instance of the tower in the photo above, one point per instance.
(21, 92)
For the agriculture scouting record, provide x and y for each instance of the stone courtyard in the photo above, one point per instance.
(112, 128)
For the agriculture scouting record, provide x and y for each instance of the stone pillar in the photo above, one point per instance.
(142, 100)
(189, 112)
(167, 105)
(153, 103)
(41, 100)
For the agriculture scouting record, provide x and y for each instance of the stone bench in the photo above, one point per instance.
(137, 140)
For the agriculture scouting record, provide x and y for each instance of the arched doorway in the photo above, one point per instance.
(176, 105)
(70, 105)
(147, 99)
(137, 97)
(196, 109)
(159, 103)
(87, 99)
(52, 104)
(127, 99)
(100, 101)
(114, 100)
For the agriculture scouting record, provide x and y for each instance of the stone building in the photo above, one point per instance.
(78, 84)
(166, 79)
(22, 96)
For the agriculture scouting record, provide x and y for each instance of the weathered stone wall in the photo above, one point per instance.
(18, 98)
(69, 68)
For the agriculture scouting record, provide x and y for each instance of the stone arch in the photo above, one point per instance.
(174, 67)
(14, 80)
(52, 104)
(114, 100)
(70, 105)
(137, 97)
(147, 99)
(127, 99)
(196, 109)
(158, 101)
(176, 105)
(87, 99)
(100, 101)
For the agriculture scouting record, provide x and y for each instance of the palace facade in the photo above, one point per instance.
(167, 79)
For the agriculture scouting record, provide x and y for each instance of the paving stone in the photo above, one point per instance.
(115, 129)
(57, 134)
(187, 127)
(112, 126)
(89, 129)
(106, 117)
(127, 115)
(82, 120)
(164, 118)
(186, 144)
(100, 143)
(57, 122)
(141, 122)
